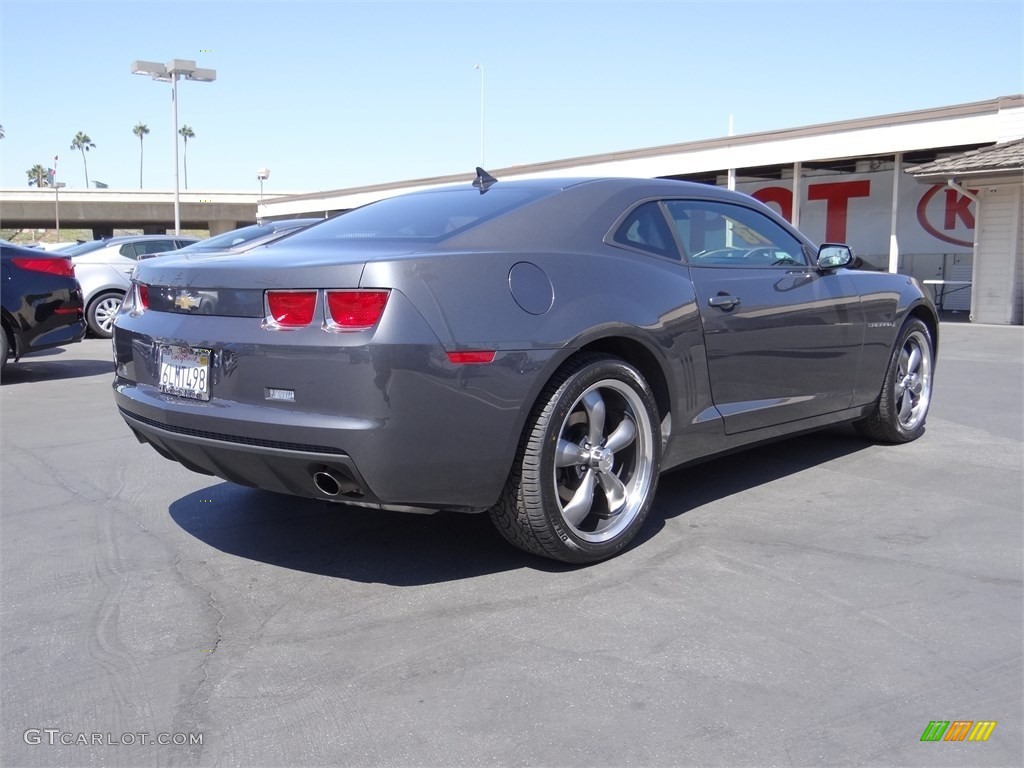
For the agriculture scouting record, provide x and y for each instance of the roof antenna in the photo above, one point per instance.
(483, 180)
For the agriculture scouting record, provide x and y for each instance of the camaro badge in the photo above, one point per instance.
(186, 301)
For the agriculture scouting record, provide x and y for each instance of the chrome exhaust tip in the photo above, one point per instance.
(327, 483)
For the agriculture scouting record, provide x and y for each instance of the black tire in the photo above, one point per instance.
(101, 311)
(4, 348)
(544, 507)
(902, 407)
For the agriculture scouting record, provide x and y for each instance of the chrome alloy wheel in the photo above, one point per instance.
(605, 444)
(105, 311)
(913, 381)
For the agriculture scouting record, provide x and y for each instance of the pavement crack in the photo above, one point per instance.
(193, 704)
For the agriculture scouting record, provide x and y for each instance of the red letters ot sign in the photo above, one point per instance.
(837, 196)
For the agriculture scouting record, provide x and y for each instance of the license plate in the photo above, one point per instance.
(185, 372)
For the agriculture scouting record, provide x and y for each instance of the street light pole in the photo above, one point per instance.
(481, 68)
(174, 133)
(262, 174)
(173, 71)
(56, 197)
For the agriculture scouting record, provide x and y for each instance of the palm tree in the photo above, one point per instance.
(140, 130)
(186, 134)
(83, 143)
(37, 176)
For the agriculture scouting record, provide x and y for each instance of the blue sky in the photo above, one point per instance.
(330, 95)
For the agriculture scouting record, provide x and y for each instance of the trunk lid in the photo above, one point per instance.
(233, 284)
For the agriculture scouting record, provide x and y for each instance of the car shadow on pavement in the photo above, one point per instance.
(49, 366)
(342, 541)
(689, 488)
(403, 549)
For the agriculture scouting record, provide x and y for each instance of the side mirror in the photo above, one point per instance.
(834, 256)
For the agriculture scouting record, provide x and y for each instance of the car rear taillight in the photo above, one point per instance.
(55, 266)
(472, 357)
(142, 296)
(355, 310)
(291, 309)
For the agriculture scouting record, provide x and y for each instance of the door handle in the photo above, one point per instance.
(723, 301)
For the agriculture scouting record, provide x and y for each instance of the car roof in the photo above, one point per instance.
(134, 238)
(612, 182)
(574, 206)
(92, 246)
(286, 223)
(14, 249)
(603, 186)
(543, 183)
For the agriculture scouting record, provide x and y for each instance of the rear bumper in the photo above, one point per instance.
(271, 465)
(449, 449)
(47, 313)
(48, 337)
(396, 423)
(56, 337)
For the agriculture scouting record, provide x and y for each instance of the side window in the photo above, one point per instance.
(645, 228)
(128, 251)
(155, 246)
(727, 235)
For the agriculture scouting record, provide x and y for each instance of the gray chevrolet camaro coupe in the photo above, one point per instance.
(537, 349)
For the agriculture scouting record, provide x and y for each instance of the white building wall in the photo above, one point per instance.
(1018, 304)
(997, 276)
(1011, 123)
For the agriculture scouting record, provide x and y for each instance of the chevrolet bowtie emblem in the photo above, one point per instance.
(186, 301)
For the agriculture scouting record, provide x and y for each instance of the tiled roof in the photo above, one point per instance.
(1008, 156)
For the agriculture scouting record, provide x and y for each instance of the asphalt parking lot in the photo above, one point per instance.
(813, 602)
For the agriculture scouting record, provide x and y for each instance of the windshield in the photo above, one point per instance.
(430, 216)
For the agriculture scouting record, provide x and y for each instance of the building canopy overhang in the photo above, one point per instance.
(917, 135)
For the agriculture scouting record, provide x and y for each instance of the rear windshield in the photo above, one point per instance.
(428, 216)
(78, 250)
(228, 239)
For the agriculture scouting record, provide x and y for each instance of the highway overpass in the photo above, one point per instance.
(104, 210)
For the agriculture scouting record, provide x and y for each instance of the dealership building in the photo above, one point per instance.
(934, 193)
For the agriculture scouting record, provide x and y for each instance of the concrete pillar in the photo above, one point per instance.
(798, 194)
(894, 246)
(220, 226)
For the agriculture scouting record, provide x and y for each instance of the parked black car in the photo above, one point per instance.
(42, 301)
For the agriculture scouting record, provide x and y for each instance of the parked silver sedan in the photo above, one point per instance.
(104, 268)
